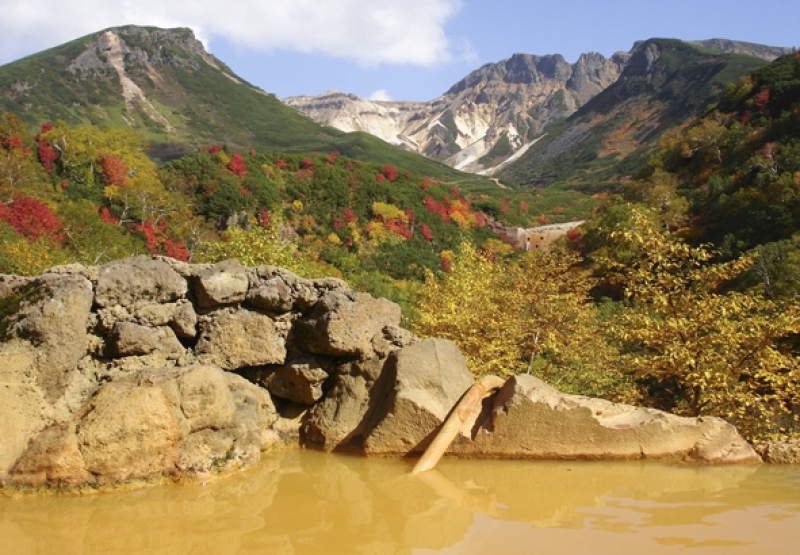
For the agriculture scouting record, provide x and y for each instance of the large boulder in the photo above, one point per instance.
(234, 339)
(140, 278)
(222, 284)
(162, 422)
(344, 324)
(348, 412)
(430, 378)
(530, 419)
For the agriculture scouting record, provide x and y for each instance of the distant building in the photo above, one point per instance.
(539, 238)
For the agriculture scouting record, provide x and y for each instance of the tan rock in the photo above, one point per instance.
(206, 400)
(53, 459)
(130, 431)
(431, 376)
(222, 284)
(530, 419)
(240, 338)
(140, 278)
(344, 324)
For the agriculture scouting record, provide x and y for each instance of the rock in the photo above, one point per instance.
(184, 320)
(140, 278)
(272, 295)
(349, 411)
(130, 431)
(53, 459)
(129, 339)
(343, 324)
(431, 376)
(206, 400)
(530, 419)
(300, 382)
(222, 284)
(240, 338)
(54, 319)
(23, 408)
(779, 452)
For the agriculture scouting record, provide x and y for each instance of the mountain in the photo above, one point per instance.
(484, 118)
(768, 53)
(163, 84)
(666, 84)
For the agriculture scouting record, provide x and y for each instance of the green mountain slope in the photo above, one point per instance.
(667, 84)
(164, 85)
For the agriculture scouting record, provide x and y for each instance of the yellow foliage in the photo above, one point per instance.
(389, 212)
(699, 351)
(24, 258)
(532, 315)
(260, 246)
(333, 239)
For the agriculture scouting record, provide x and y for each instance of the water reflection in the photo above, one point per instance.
(310, 503)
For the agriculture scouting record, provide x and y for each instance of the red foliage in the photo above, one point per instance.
(407, 175)
(306, 164)
(47, 155)
(14, 141)
(558, 210)
(447, 265)
(252, 152)
(505, 205)
(45, 127)
(349, 166)
(338, 223)
(263, 217)
(379, 178)
(427, 234)
(107, 217)
(281, 163)
(213, 149)
(244, 191)
(761, 100)
(159, 242)
(523, 207)
(424, 186)
(237, 165)
(332, 156)
(349, 215)
(390, 172)
(542, 220)
(114, 170)
(455, 193)
(31, 218)
(746, 116)
(574, 235)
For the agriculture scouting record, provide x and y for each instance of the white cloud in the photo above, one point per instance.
(380, 94)
(370, 31)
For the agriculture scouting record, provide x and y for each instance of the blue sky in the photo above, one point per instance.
(397, 49)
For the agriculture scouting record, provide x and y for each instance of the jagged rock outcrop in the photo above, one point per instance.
(510, 101)
(135, 369)
(147, 368)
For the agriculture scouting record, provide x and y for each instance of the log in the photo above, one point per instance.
(462, 411)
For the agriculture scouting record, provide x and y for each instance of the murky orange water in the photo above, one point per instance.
(311, 503)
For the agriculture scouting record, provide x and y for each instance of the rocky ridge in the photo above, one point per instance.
(147, 368)
(512, 100)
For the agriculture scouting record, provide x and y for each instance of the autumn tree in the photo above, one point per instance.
(694, 347)
(531, 315)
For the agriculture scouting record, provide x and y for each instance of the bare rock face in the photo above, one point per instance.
(431, 376)
(300, 382)
(344, 324)
(530, 419)
(125, 371)
(348, 412)
(156, 423)
(141, 278)
(240, 338)
(224, 283)
(129, 339)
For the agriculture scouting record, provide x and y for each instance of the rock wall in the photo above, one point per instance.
(146, 368)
